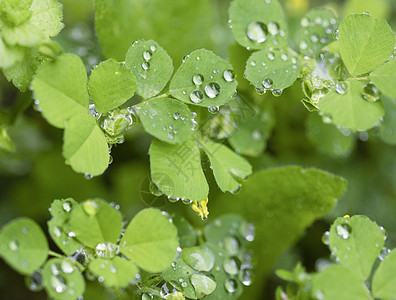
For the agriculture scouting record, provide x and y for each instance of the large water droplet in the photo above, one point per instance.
(200, 258)
(90, 207)
(34, 282)
(154, 189)
(213, 109)
(267, 83)
(58, 284)
(147, 55)
(271, 56)
(145, 65)
(196, 96)
(231, 245)
(230, 266)
(341, 87)
(203, 283)
(325, 238)
(344, 231)
(245, 276)
(228, 75)
(198, 79)
(230, 285)
(277, 92)
(247, 230)
(67, 266)
(257, 32)
(153, 48)
(273, 28)
(212, 90)
(371, 92)
(107, 250)
(13, 245)
(66, 206)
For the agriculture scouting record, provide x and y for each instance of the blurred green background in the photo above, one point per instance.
(35, 173)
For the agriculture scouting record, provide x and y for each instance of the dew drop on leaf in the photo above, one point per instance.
(90, 207)
(66, 206)
(304, 22)
(247, 230)
(228, 75)
(13, 245)
(58, 284)
(325, 238)
(231, 245)
(213, 109)
(245, 276)
(145, 65)
(203, 283)
(153, 48)
(147, 55)
(273, 28)
(267, 83)
(371, 92)
(198, 79)
(341, 88)
(230, 266)
(67, 266)
(384, 253)
(212, 90)
(230, 285)
(277, 93)
(196, 96)
(257, 32)
(271, 56)
(344, 231)
(34, 282)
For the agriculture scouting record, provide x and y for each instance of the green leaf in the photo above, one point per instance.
(6, 142)
(229, 169)
(387, 130)
(285, 199)
(25, 34)
(349, 110)
(111, 84)
(60, 211)
(258, 24)
(117, 272)
(384, 77)
(250, 136)
(365, 43)
(172, 23)
(378, 9)
(85, 146)
(327, 138)
(357, 242)
(47, 15)
(167, 119)
(203, 79)
(96, 221)
(273, 69)
(62, 280)
(60, 88)
(9, 55)
(177, 170)
(317, 29)
(15, 12)
(151, 66)
(338, 283)
(21, 73)
(384, 281)
(150, 241)
(23, 245)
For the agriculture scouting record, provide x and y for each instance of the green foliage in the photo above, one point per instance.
(365, 43)
(361, 262)
(383, 77)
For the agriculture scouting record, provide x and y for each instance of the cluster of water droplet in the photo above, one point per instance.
(259, 32)
(116, 122)
(58, 277)
(107, 250)
(316, 33)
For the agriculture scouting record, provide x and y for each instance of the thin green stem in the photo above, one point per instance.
(52, 253)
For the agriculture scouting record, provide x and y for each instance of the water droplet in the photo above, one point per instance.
(145, 65)
(247, 230)
(257, 32)
(341, 87)
(267, 83)
(236, 190)
(154, 189)
(384, 232)
(171, 135)
(57, 231)
(58, 284)
(253, 63)
(277, 92)
(88, 176)
(147, 56)
(213, 109)
(314, 38)
(107, 250)
(231, 245)
(113, 269)
(67, 266)
(325, 238)
(344, 231)
(71, 234)
(203, 283)
(13, 245)
(196, 96)
(371, 92)
(230, 266)
(304, 22)
(34, 282)
(184, 284)
(230, 285)
(245, 276)
(284, 57)
(384, 253)
(273, 28)
(303, 45)
(66, 206)
(153, 48)
(228, 75)
(212, 90)
(199, 258)
(90, 207)
(198, 79)
(271, 56)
